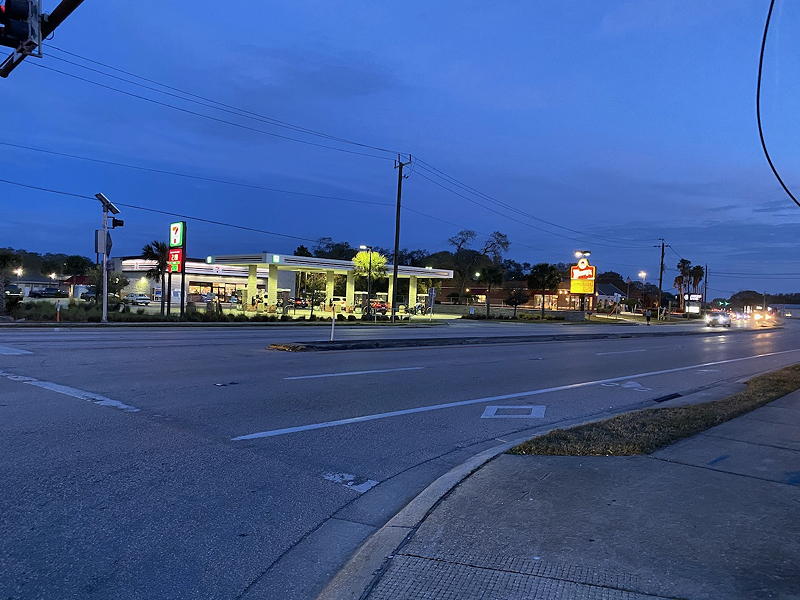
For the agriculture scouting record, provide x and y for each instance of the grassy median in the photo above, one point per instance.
(645, 431)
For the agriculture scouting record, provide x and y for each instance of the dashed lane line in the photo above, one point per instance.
(70, 391)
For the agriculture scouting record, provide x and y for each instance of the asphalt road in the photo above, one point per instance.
(193, 463)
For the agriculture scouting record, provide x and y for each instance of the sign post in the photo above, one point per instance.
(177, 257)
(581, 279)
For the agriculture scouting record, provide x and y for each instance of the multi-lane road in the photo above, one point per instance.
(194, 463)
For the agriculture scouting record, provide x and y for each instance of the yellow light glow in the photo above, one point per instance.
(53, 275)
(18, 272)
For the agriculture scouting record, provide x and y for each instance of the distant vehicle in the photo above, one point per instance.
(298, 303)
(718, 318)
(48, 292)
(234, 299)
(13, 292)
(137, 299)
(207, 297)
(763, 319)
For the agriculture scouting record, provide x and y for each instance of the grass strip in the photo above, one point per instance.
(648, 430)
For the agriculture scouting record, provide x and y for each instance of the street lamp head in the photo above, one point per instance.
(362, 247)
(107, 204)
(18, 271)
(53, 275)
(582, 253)
(477, 273)
(642, 274)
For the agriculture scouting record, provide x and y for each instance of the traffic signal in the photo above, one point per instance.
(21, 25)
(116, 223)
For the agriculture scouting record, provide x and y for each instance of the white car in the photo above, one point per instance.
(137, 299)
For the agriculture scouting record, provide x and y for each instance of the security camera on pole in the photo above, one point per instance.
(102, 245)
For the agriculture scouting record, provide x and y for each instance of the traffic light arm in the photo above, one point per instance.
(59, 14)
(48, 25)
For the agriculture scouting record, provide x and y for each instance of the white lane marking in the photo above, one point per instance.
(351, 481)
(70, 391)
(9, 351)
(534, 412)
(619, 352)
(559, 388)
(346, 373)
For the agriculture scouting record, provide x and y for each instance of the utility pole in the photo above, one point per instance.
(399, 164)
(660, 279)
(705, 287)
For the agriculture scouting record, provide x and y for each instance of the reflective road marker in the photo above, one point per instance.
(559, 388)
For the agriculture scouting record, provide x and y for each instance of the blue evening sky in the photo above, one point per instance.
(623, 120)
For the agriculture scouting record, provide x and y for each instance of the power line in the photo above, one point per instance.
(260, 116)
(161, 212)
(758, 105)
(204, 116)
(190, 176)
(453, 181)
(249, 114)
(497, 212)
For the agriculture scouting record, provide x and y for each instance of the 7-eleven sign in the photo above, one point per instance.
(175, 260)
(177, 235)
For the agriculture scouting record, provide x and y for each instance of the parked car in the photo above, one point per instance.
(298, 303)
(380, 307)
(13, 292)
(48, 292)
(137, 299)
(722, 319)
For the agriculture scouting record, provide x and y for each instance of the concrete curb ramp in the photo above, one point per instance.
(366, 566)
(465, 341)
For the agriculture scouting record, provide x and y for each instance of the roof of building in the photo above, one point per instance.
(609, 289)
(288, 262)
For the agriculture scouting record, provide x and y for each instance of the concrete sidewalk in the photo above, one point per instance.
(714, 516)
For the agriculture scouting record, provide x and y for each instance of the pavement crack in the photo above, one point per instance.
(722, 437)
(684, 464)
(516, 572)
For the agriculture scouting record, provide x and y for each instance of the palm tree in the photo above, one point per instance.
(159, 252)
(697, 273)
(8, 260)
(683, 278)
(544, 277)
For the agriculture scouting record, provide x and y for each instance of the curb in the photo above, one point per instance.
(469, 341)
(363, 568)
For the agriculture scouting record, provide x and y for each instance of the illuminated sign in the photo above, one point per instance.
(175, 260)
(177, 235)
(581, 277)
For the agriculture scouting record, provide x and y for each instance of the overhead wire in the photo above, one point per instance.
(190, 176)
(204, 116)
(758, 106)
(161, 212)
(453, 181)
(272, 120)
